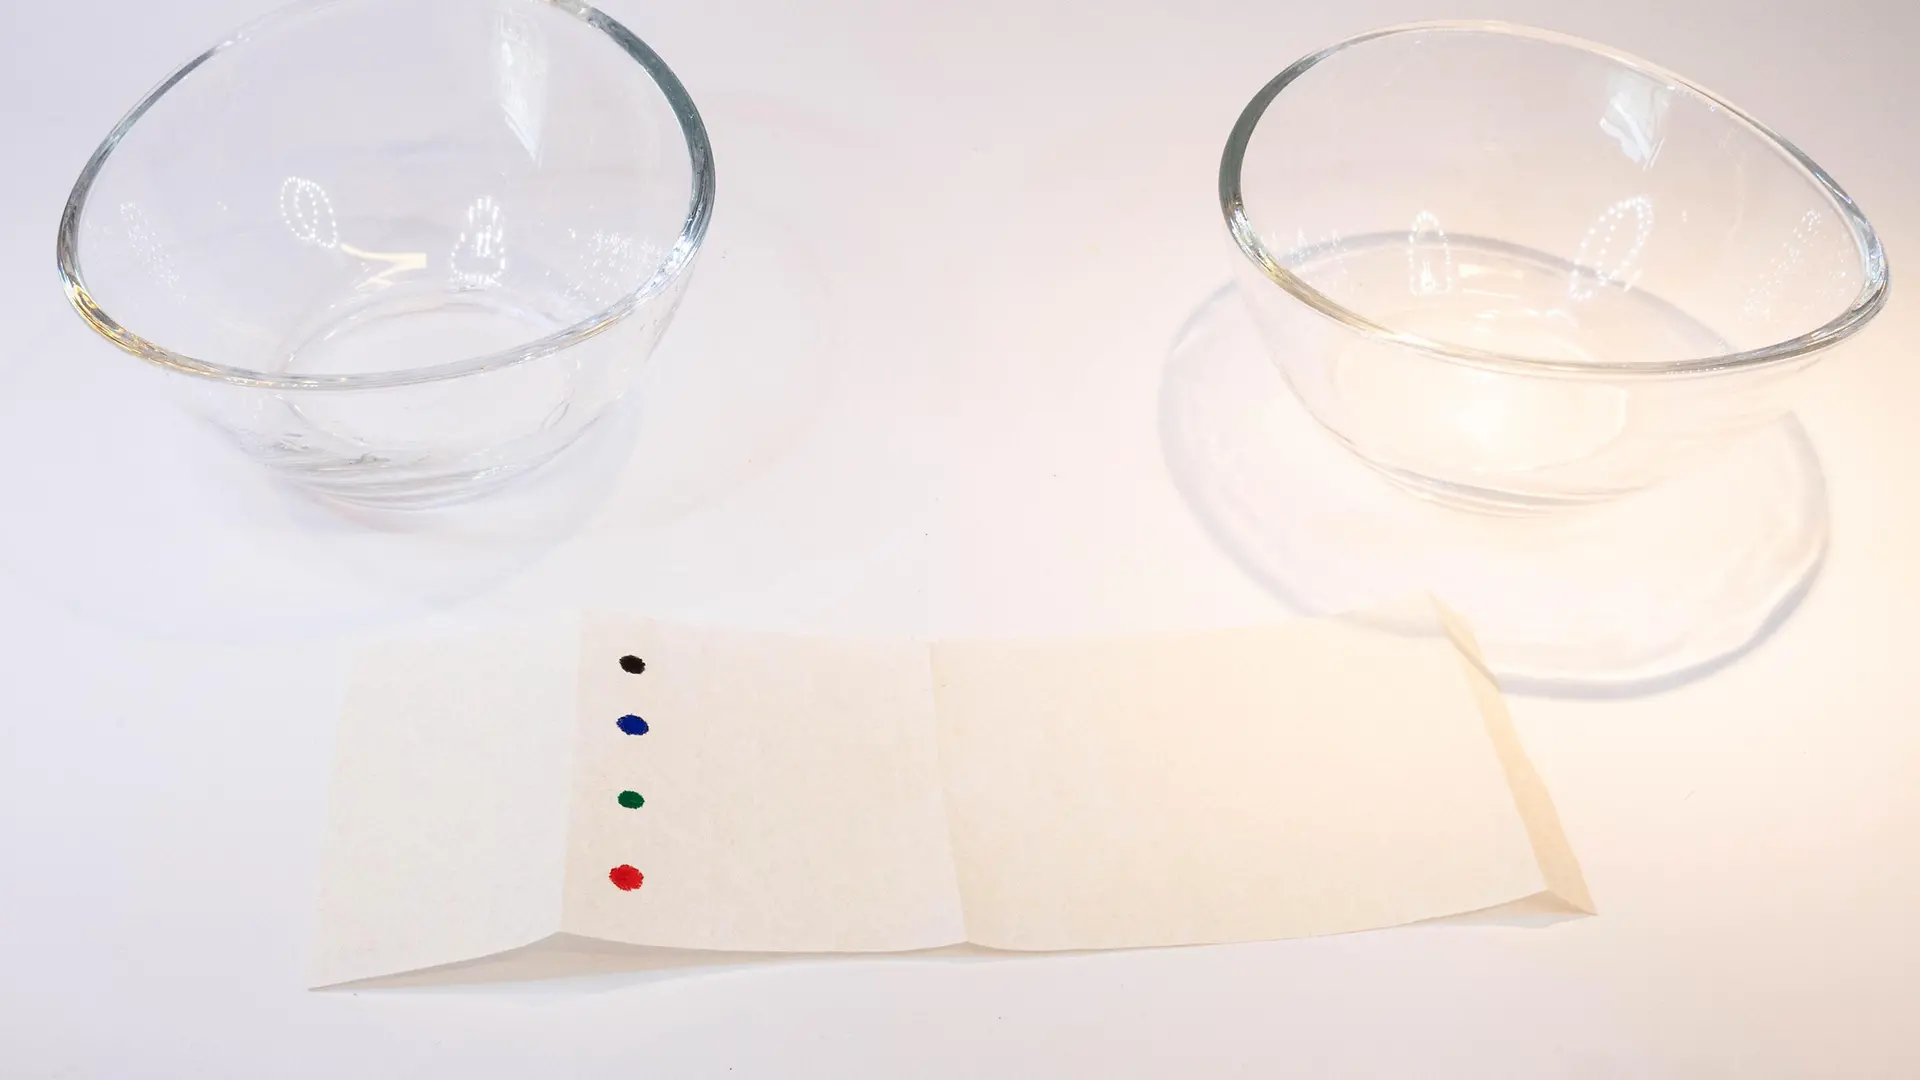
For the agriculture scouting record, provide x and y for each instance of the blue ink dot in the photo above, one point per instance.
(632, 725)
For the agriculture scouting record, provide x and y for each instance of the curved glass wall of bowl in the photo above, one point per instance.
(1517, 271)
(1624, 596)
(1547, 288)
(400, 250)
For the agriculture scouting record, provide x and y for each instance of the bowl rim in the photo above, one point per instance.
(675, 264)
(1866, 304)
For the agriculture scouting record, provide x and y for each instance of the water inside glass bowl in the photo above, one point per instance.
(1502, 298)
(1519, 271)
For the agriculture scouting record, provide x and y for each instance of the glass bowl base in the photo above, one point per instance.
(422, 446)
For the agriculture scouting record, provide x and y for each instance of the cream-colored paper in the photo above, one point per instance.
(448, 829)
(1306, 779)
(792, 794)
(809, 797)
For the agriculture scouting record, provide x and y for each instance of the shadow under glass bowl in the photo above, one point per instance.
(400, 250)
(1517, 271)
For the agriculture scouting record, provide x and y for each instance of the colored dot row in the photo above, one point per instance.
(624, 877)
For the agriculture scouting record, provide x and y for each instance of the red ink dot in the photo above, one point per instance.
(625, 878)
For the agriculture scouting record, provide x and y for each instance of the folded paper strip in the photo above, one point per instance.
(810, 797)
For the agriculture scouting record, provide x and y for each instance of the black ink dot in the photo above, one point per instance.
(632, 664)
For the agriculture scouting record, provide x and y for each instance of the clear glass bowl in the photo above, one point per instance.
(400, 250)
(1514, 270)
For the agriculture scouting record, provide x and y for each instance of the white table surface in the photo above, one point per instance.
(978, 227)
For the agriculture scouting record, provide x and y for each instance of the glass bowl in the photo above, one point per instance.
(400, 250)
(1516, 271)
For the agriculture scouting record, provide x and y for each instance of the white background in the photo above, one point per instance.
(970, 232)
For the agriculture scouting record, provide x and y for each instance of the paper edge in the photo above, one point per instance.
(1559, 867)
(559, 956)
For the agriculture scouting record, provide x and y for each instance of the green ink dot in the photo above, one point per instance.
(632, 800)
